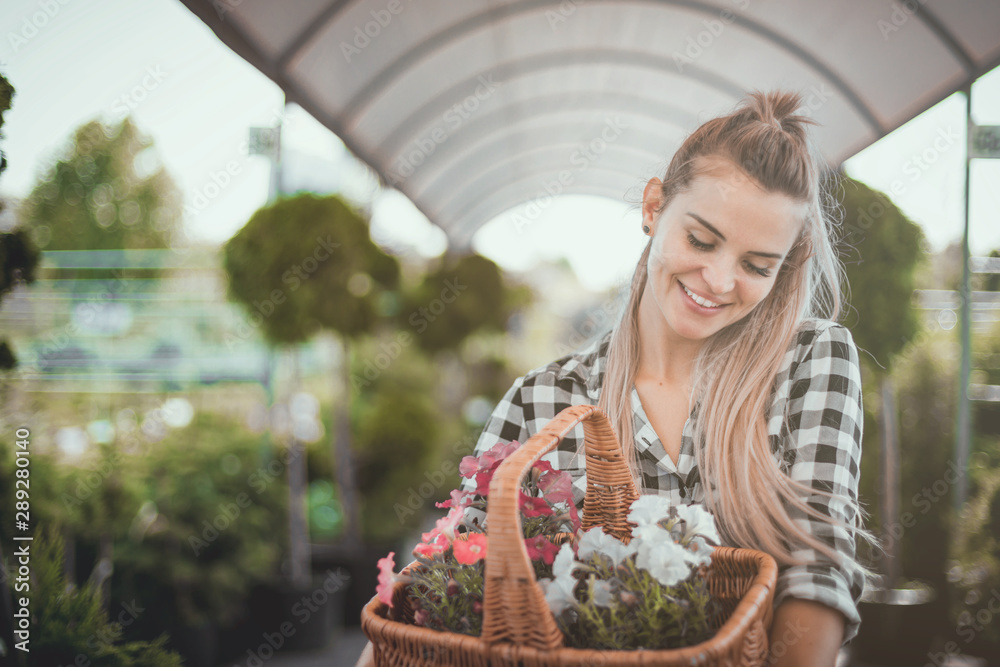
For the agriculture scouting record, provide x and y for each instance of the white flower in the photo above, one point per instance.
(700, 551)
(559, 593)
(698, 521)
(596, 540)
(651, 533)
(649, 509)
(600, 592)
(666, 560)
(564, 563)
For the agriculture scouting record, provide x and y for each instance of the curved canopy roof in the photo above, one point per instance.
(471, 107)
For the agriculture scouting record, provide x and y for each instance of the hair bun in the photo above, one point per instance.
(777, 108)
(772, 121)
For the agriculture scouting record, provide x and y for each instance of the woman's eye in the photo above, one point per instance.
(693, 240)
(698, 244)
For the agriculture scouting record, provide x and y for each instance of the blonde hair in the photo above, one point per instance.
(735, 369)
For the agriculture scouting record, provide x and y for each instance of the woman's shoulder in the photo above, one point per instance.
(816, 329)
(583, 366)
(820, 344)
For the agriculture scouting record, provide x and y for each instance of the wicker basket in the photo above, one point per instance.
(518, 628)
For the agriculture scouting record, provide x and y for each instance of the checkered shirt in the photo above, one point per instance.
(814, 425)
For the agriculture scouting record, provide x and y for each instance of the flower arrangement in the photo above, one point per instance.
(650, 592)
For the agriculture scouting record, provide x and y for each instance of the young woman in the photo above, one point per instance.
(726, 378)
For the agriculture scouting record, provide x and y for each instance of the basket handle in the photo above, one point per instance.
(513, 600)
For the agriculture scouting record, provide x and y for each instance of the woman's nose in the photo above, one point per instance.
(720, 276)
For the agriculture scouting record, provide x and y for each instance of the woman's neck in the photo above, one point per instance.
(663, 355)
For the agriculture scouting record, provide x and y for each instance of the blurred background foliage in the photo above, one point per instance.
(882, 252)
(462, 296)
(974, 565)
(18, 254)
(191, 518)
(71, 617)
(107, 190)
(349, 286)
(207, 524)
(910, 369)
(400, 434)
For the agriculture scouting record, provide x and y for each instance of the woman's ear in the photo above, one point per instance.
(652, 198)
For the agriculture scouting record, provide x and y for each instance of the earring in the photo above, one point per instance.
(645, 229)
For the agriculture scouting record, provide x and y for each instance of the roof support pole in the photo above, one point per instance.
(964, 413)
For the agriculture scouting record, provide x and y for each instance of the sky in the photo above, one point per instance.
(106, 58)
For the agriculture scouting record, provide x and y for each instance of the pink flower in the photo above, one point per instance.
(386, 578)
(574, 517)
(471, 465)
(483, 480)
(532, 507)
(433, 543)
(446, 525)
(470, 550)
(483, 468)
(458, 499)
(557, 486)
(500, 451)
(540, 547)
(543, 467)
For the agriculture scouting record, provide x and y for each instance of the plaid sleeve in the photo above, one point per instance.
(824, 446)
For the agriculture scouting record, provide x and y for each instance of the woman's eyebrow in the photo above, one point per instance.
(711, 228)
(706, 225)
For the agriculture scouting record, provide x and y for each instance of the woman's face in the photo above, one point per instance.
(716, 250)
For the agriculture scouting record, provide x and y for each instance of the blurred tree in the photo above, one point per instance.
(307, 263)
(464, 295)
(18, 263)
(107, 191)
(399, 427)
(883, 248)
(18, 255)
(6, 99)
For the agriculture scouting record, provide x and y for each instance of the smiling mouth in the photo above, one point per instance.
(705, 303)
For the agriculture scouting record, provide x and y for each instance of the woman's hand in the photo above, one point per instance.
(367, 658)
(805, 633)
